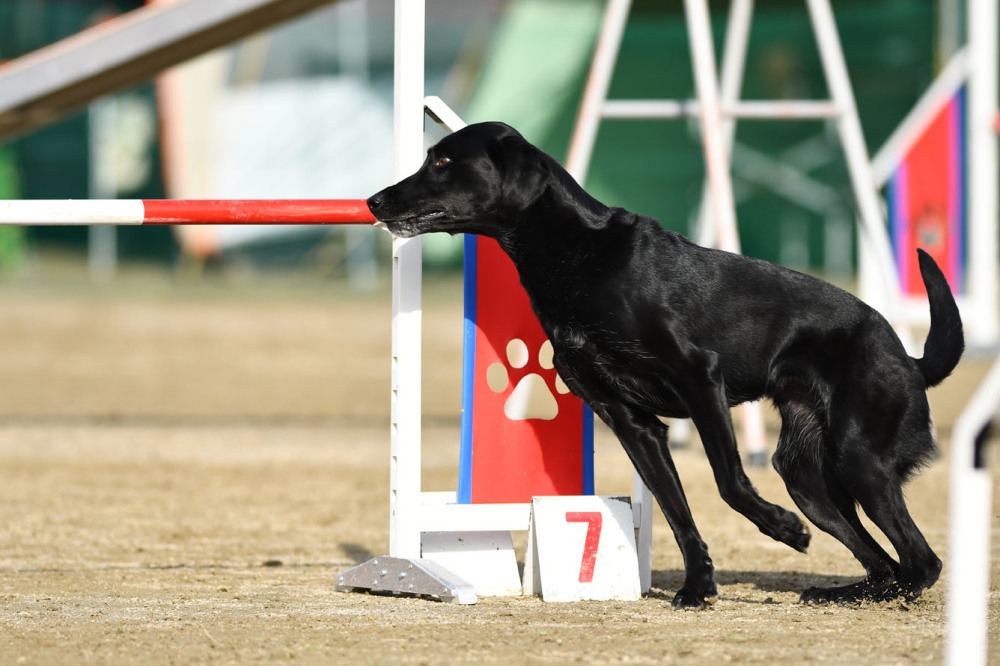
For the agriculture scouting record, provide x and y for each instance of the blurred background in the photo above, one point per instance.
(304, 110)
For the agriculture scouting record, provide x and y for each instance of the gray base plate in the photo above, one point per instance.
(401, 576)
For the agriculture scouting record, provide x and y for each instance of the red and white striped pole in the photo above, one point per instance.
(178, 211)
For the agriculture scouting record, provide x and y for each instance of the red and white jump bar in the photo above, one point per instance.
(180, 211)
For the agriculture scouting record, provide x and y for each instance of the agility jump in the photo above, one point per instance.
(406, 419)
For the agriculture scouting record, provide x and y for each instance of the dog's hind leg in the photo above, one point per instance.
(919, 565)
(881, 497)
(879, 437)
(802, 462)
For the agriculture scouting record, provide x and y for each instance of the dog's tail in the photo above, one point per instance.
(945, 341)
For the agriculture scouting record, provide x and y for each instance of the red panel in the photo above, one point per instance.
(257, 211)
(932, 202)
(514, 460)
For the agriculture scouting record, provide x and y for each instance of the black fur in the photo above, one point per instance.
(645, 323)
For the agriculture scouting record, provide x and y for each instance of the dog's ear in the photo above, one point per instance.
(523, 171)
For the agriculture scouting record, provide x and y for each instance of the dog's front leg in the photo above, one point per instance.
(644, 439)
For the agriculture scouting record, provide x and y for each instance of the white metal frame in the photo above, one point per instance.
(718, 106)
(974, 65)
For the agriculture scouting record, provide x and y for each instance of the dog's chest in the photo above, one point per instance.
(604, 368)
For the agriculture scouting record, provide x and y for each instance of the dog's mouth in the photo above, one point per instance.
(412, 225)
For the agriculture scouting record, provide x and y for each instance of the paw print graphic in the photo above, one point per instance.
(532, 397)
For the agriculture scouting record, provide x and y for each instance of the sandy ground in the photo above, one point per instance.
(185, 469)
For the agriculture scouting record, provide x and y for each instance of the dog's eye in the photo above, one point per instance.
(443, 161)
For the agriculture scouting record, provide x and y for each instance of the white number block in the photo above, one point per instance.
(581, 548)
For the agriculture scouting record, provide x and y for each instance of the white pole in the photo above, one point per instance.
(710, 113)
(969, 528)
(733, 64)
(982, 170)
(873, 226)
(408, 94)
(717, 139)
(581, 146)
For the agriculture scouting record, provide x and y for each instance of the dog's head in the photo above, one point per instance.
(473, 181)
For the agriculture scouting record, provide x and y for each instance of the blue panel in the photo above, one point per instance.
(588, 451)
(468, 371)
(962, 196)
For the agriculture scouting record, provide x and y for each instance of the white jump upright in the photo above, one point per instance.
(404, 570)
(405, 444)
(982, 168)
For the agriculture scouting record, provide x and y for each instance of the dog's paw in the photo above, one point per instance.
(686, 599)
(867, 590)
(816, 596)
(791, 531)
(823, 596)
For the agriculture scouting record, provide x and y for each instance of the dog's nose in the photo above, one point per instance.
(375, 201)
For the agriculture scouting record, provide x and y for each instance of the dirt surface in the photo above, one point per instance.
(184, 470)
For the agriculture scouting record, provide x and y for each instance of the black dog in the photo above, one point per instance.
(645, 323)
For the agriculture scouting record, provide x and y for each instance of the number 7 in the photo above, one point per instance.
(594, 520)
